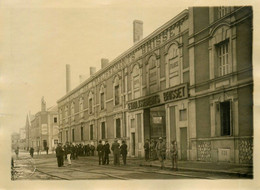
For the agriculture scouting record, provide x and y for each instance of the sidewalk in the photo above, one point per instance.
(218, 167)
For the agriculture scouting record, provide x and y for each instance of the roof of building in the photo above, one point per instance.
(53, 108)
(138, 44)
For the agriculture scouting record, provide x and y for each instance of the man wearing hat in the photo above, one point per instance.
(59, 155)
(116, 151)
(161, 151)
(100, 153)
(107, 151)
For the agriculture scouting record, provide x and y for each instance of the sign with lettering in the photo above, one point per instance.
(169, 95)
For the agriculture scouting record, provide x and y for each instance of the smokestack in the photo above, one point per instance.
(138, 30)
(92, 70)
(104, 62)
(67, 78)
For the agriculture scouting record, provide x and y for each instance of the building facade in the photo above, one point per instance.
(42, 129)
(189, 81)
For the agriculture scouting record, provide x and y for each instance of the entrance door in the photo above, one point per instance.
(44, 144)
(133, 144)
(184, 143)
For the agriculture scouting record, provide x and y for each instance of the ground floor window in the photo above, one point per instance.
(225, 116)
(67, 136)
(118, 128)
(103, 130)
(73, 135)
(81, 134)
(91, 132)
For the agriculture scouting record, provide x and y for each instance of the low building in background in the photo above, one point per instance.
(190, 81)
(42, 128)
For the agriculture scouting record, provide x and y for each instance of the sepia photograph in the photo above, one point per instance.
(110, 92)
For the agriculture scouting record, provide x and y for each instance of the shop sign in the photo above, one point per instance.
(169, 95)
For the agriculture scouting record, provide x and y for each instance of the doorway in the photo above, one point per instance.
(133, 144)
(183, 143)
(44, 144)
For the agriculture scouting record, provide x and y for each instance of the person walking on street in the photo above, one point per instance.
(174, 155)
(68, 152)
(161, 151)
(17, 152)
(147, 149)
(123, 149)
(107, 151)
(31, 151)
(59, 155)
(116, 151)
(47, 150)
(100, 153)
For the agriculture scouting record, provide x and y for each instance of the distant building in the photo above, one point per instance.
(22, 140)
(190, 80)
(42, 128)
(15, 137)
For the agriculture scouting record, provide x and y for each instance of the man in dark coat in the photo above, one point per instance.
(116, 151)
(147, 149)
(161, 151)
(100, 153)
(107, 151)
(31, 151)
(59, 155)
(123, 148)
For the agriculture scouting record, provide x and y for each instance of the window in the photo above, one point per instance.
(103, 130)
(183, 115)
(136, 81)
(72, 111)
(222, 11)
(102, 101)
(67, 136)
(91, 132)
(223, 62)
(90, 106)
(118, 128)
(225, 117)
(66, 114)
(116, 94)
(173, 63)
(81, 133)
(55, 119)
(81, 107)
(73, 135)
(60, 116)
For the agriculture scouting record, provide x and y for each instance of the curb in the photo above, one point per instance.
(202, 170)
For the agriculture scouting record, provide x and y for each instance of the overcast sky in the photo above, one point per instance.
(39, 39)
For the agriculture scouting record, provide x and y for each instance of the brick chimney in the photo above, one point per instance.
(137, 30)
(104, 62)
(67, 78)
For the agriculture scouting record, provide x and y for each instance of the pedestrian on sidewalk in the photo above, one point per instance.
(107, 151)
(116, 151)
(100, 153)
(161, 151)
(68, 152)
(47, 150)
(153, 150)
(174, 155)
(17, 152)
(147, 149)
(59, 155)
(123, 149)
(31, 151)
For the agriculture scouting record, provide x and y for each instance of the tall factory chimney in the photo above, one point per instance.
(67, 78)
(104, 62)
(92, 70)
(137, 30)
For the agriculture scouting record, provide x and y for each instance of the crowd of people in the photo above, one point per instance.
(154, 150)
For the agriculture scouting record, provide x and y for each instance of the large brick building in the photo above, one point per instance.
(190, 80)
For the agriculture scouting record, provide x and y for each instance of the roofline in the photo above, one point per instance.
(154, 33)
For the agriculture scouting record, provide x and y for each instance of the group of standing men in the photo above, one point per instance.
(155, 150)
(104, 151)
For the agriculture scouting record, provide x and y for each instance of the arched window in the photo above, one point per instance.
(90, 103)
(81, 107)
(152, 74)
(72, 111)
(102, 97)
(173, 61)
(136, 81)
(117, 90)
